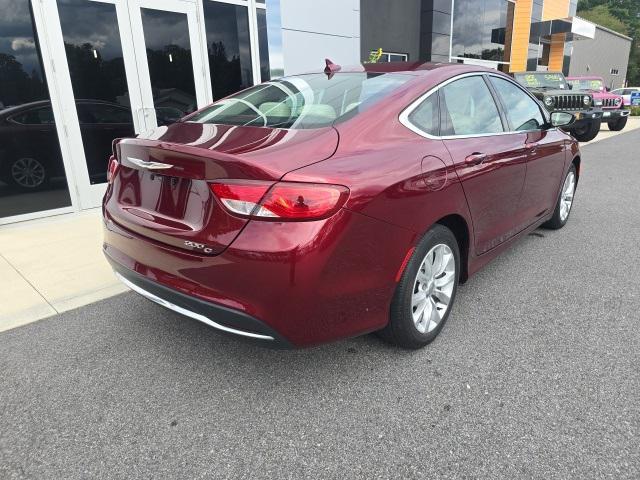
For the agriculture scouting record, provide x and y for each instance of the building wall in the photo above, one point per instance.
(598, 56)
(552, 10)
(393, 26)
(435, 30)
(520, 37)
(417, 28)
(314, 30)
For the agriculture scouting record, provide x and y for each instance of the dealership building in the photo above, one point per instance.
(74, 74)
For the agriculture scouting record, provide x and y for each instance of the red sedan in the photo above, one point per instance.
(328, 205)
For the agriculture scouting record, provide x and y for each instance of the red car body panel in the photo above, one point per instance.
(171, 207)
(318, 281)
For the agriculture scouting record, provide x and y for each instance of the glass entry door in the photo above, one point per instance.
(132, 65)
(169, 53)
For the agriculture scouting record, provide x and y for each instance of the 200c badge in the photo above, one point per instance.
(198, 246)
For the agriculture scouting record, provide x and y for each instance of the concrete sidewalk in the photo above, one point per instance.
(52, 265)
(605, 133)
(56, 264)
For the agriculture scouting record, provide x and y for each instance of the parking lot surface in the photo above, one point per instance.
(536, 375)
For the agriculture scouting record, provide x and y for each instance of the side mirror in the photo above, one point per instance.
(562, 119)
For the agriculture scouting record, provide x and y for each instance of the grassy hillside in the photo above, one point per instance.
(622, 16)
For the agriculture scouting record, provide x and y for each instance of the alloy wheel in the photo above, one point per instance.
(28, 173)
(433, 288)
(566, 198)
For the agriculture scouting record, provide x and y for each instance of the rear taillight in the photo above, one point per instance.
(283, 201)
(112, 169)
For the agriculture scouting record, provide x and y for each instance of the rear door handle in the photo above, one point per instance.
(531, 147)
(476, 158)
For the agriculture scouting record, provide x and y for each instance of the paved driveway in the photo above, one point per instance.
(536, 375)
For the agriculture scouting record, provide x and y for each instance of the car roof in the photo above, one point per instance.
(414, 68)
(385, 67)
(45, 103)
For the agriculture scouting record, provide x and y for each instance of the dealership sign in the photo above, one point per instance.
(635, 98)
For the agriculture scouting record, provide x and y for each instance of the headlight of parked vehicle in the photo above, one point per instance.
(548, 101)
(617, 101)
(586, 100)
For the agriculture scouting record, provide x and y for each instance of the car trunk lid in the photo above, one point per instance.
(161, 189)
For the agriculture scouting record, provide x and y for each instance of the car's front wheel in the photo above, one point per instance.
(565, 201)
(426, 291)
(618, 124)
(587, 132)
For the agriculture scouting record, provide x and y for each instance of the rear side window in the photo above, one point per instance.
(427, 116)
(523, 112)
(304, 101)
(38, 116)
(468, 108)
(101, 113)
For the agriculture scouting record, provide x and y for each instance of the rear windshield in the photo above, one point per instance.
(542, 80)
(587, 84)
(304, 101)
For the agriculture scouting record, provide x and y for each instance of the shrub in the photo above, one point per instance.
(635, 111)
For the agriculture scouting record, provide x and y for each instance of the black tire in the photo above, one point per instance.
(618, 124)
(587, 132)
(556, 222)
(401, 329)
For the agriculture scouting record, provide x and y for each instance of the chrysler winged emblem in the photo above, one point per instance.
(149, 165)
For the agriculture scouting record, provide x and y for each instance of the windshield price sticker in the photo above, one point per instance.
(532, 80)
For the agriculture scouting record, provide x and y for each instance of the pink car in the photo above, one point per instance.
(613, 111)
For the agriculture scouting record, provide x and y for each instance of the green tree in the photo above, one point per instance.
(602, 16)
(622, 16)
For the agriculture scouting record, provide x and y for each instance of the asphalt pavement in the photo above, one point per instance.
(536, 375)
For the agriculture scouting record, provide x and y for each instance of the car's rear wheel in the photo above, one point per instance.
(587, 132)
(618, 124)
(27, 173)
(426, 291)
(565, 201)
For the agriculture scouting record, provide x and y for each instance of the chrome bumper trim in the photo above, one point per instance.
(188, 313)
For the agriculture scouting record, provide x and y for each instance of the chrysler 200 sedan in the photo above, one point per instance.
(328, 205)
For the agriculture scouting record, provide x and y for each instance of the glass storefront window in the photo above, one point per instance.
(32, 176)
(166, 36)
(228, 46)
(265, 70)
(479, 29)
(94, 54)
(270, 38)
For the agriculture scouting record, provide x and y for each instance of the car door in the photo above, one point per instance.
(545, 147)
(490, 164)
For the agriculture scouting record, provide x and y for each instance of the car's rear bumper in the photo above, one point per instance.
(302, 283)
(221, 318)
